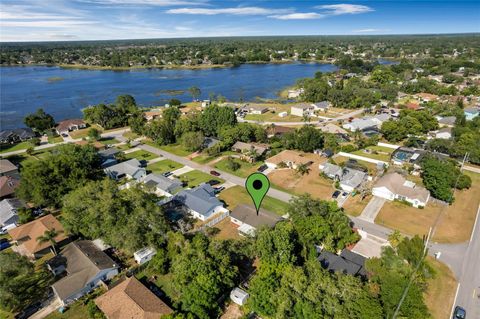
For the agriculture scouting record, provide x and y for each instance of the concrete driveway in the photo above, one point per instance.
(49, 307)
(372, 209)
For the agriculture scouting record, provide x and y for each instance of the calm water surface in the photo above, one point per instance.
(64, 92)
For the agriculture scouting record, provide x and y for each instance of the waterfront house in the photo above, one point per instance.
(66, 126)
(302, 109)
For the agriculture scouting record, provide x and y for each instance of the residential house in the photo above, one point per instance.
(277, 130)
(412, 106)
(131, 169)
(87, 267)
(293, 94)
(152, 115)
(200, 201)
(8, 185)
(426, 97)
(302, 109)
(394, 186)
(257, 109)
(26, 236)
(444, 133)
(9, 213)
(321, 106)
(143, 255)
(16, 135)
(7, 168)
(349, 178)
(360, 125)
(289, 158)
(405, 155)
(348, 262)
(209, 142)
(162, 186)
(448, 121)
(65, 126)
(471, 113)
(108, 156)
(131, 299)
(206, 103)
(239, 296)
(250, 151)
(248, 222)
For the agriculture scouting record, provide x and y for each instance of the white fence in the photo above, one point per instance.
(218, 218)
(362, 158)
(393, 146)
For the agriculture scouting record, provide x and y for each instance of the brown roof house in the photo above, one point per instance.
(290, 159)
(65, 126)
(8, 185)
(394, 186)
(131, 299)
(245, 216)
(26, 236)
(86, 267)
(7, 168)
(249, 150)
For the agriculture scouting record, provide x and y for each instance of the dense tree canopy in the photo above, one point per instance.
(39, 121)
(307, 139)
(113, 115)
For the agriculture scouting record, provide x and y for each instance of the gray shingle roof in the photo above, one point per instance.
(8, 211)
(162, 182)
(248, 215)
(347, 263)
(129, 167)
(200, 199)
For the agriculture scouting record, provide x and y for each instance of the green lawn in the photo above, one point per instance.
(195, 178)
(109, 140)
(5, 314)
(238, 195)
(175, 149)
(383, 153)
(164, 166)
(130, 135)
(15, 147)
(77, 310)
(55, 139)
(244, 170)
(273, 117)
(141, 155)
(204, 158)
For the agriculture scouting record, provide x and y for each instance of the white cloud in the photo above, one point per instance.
(298, 16)
(343, 8)
(234, 11)
(45, 23)
(180, 28)
(370, 30)
(161, 3)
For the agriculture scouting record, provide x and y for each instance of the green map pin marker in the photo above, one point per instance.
(257, 186)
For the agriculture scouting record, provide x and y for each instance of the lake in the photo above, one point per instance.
(64, 92)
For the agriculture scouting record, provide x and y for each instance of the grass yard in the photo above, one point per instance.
(172, 148)
(378, 156)
(454, 225)
(372, 168)
(130, 135)
(238, 195)
(164, 166)
(55, 139)
(354, 205)
(15, 147)
(205, 159)
(227, 230)
(141, 155)
(83, 133)
(6, 315)
(109, 140)
(195, 178)
(77, 310)
(272, 117)
(244, 170)
(440, 293)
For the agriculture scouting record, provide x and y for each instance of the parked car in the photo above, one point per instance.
(143, 163)
(262, 168)
(4, 244)
(219, 189)
(336, 194)
(215, 173)
(344, 194)
(64, 135)
(30, 310)
(459, 313)
(166, 174)
(213, 182)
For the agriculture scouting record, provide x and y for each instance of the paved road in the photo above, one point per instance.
(469, 283)
(372, 209)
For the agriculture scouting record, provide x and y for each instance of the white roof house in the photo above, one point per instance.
(367, 122)
(143, 255)
(349, 178)
(239, 296)
(8, 213)
(324, 105)
(394, 186)
(302, 109)
(131, 169)
(162, 185)
(444, 133)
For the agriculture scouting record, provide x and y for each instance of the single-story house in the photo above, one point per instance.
(108, 156)
(245, 216)
(412, 106)
(347, 262)
(471, 113)
(163, 186)
(131, 169)
(394, 186)
(349, 178)
(302, 109)
(444, 133)
(248, 148)
(277, 130)
(239, 296)
(131, 299)
(257, 109)
(16, 135)
(426, 97)
(152, 115)
(9, 213)
(7, 168)
(8, 185)
(143, 255)
(333, 129)
(209, 142)
(404, 155)
(292, 159)
(86, 266)
(293, 94)
(65, 126)
(206, 103)
(200, 201)
(447, 121)
(360, 124)
(322, 106)
(26, 236)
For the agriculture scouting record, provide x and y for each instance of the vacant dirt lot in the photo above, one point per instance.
(227, 230)
(441, 290)
(455, 222)
(312, 183)
(355, 205)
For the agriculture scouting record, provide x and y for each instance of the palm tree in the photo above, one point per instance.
(49, 236)
(303, 169)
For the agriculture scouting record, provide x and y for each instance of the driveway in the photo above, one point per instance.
(372, 209)
(49, 307)
(182, 171)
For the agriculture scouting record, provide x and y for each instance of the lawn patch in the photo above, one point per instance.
(195, 178)
(440, 292)
(176, 149)
(163, 166)
(238, 195)
(141, 155)
(15, 147)
(245, 168)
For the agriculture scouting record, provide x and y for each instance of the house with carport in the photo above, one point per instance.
(393, 186)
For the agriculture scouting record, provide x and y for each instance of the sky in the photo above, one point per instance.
(72, 20)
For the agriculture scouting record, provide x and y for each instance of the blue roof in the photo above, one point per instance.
(200, 199)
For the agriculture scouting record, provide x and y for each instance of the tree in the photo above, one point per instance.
(49, 236)
(112, 115)
(303, 169)
(30, 150)
(175, 102)
(20, 283)
(193, 141)
(39, 121)
(195, 92)
(215, 118)
(94, 134)
(231, 164)
(395, 238)
(306, 139)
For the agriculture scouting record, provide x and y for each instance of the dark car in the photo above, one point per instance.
(336, 194)
(213, 182)
(166, 174)
(4, 244)
(262, 168)
(215, 173)
(219, 189)
(143, 163)
(459, 313)
(30, 310)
